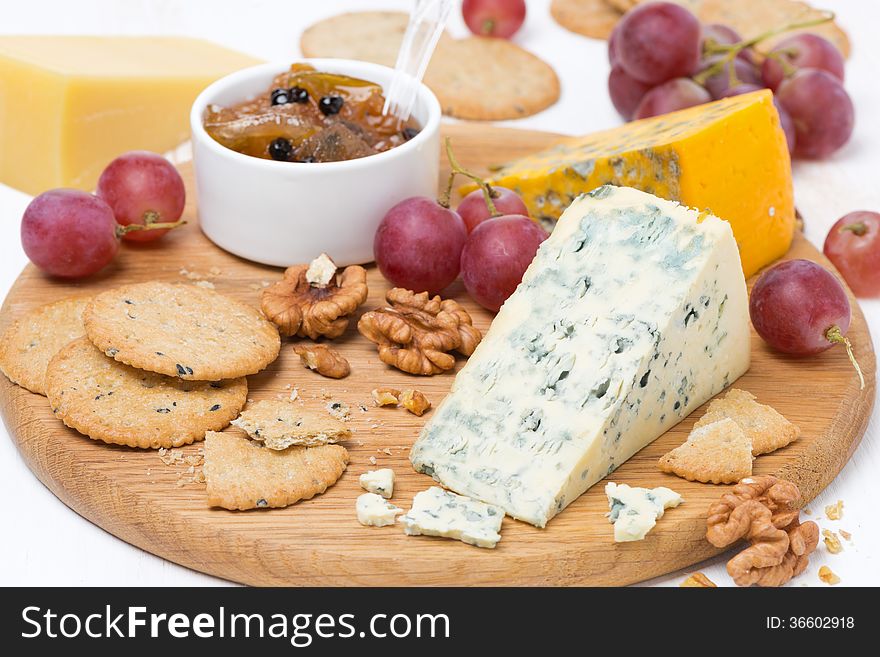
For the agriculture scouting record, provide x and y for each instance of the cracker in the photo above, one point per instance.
(28, 345)
(717, 453)
(118, 404)
(241, 474)
(281, 424)
(181, 330)
(592, 18)
(490, 80)
(765, 427)
(751, 18)
(474, 78)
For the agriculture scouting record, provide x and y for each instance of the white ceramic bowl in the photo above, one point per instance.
(284, 213)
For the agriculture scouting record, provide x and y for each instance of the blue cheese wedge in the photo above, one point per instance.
(373, 510)
(633, 313)
(380, 482)
(436, 512)
(635, 511)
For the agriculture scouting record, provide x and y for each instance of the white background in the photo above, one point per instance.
(45, 543)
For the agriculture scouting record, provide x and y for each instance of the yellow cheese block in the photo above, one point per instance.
(70, 104)
(728, 157)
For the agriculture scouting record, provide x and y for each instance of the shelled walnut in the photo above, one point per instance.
(324, 360)
(415, 332)
(761, 510)
(311, 301)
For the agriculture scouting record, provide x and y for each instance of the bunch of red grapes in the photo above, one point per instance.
(423, 244)
(663, 59)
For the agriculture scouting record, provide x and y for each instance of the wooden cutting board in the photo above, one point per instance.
(135, 496)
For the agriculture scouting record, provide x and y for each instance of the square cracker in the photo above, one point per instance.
(241, 474)
(281, 424)
(717, 453)
(765, 426)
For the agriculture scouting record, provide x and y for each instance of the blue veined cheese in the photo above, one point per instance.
(437, 512)
(380, 482)
(633, 313)
(373, 510)
(635, 511)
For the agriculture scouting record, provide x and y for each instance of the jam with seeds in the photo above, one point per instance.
(310, 116)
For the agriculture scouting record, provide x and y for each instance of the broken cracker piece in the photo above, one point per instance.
(241, 475)
(765, 427)
(718, 453)
(279, 424)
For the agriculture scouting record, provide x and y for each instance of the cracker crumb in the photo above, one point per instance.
(256, 287)
(325, 394)
(372, 460)
(374, 426)
(215, 271)
(834, 511)
(339, 410)
(205, 284)
(827, 576)
(294, 394)
(832, 542)
(385, 451)
(845, 534)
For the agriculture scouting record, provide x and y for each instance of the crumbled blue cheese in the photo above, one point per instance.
(375, 511)
(635, 511)
(633, 313)
(380, 482)
(436, 512)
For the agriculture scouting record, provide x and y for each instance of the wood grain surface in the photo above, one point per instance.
(134, 495)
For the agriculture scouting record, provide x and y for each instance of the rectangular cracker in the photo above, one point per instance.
(767, 429)
(716, 453)
(241, 474)
(281, 424)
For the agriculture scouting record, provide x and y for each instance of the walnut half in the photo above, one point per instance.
(324, 360)
(318, 308)
(415, 332)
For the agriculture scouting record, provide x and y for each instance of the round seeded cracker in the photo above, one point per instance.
(474, 78)
(592, 18)
(118, 404)
(181, 330)
(30, 342)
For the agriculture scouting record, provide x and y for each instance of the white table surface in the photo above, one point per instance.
(45, 543)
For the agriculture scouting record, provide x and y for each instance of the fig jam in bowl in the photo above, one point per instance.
(294, 171)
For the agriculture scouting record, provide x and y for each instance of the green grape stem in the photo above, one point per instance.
(729, 52)
(457, 169)
(835, 336)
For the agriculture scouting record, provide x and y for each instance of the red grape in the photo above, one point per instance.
(659, 41)
(740, 89)
(474, 211)
(805, 50)
(142, 188)
(794, 304)
(853, 245)
(821, 109)
(613, 40)
(626, 92)
(494, 18)
(496, 255)
(69, 233)
(671, 96)
(725, 35)
(787, 125)
(718, 84)
(418, 245)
